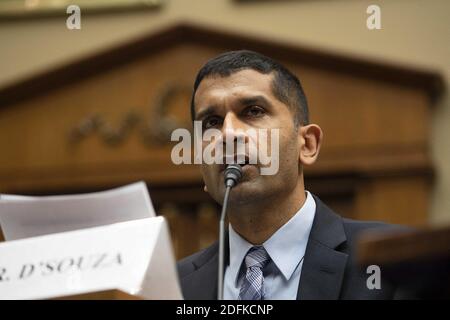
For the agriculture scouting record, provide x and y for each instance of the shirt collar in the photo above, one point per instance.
(286, 247)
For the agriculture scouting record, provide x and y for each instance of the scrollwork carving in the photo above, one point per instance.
(156, 127)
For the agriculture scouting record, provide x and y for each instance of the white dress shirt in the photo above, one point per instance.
(286, 248)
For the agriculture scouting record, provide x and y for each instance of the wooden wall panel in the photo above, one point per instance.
(374, 165)
(362, 119)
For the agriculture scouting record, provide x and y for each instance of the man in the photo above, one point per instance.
(282, 241)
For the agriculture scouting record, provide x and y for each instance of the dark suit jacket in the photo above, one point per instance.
(329, 270)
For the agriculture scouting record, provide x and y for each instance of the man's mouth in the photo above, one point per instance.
(245, 161)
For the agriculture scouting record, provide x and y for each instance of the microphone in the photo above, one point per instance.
(233, 173)
(232, 176)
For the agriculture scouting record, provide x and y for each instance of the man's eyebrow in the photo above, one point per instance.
(205, 112)
(254, 100)
(242, 101)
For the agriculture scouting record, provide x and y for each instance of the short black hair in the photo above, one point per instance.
(285, 85)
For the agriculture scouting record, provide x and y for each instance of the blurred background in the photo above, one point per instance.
(93, 108)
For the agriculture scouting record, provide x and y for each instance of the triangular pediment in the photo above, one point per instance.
(217, 40)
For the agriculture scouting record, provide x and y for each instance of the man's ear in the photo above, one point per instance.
(205, 188)
(310, 141)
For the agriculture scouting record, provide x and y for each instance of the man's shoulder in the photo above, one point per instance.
(329, 226)
(354, 227)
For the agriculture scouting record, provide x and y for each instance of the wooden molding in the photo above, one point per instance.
(383, 248)
(430, 82)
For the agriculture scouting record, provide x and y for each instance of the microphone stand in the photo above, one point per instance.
(233, 174)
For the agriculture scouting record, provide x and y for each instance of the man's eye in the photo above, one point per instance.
(254, 111)
(211, 122)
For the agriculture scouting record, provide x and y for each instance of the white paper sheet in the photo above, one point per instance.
(24, 217)
(134, 256)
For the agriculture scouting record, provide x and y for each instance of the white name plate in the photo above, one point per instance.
(134, 256)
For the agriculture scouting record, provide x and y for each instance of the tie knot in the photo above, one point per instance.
(257, 257)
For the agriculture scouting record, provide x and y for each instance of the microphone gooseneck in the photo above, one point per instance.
(232, 176)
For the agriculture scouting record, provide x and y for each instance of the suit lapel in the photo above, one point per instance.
(202, 283)
(323, 266)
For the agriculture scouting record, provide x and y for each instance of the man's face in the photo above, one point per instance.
(233, 105)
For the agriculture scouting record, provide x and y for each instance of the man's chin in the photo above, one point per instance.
(250, 186)
(247, 193)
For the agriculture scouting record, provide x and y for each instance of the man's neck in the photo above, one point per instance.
(258, 222)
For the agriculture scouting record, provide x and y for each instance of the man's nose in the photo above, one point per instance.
(232, 128)
(234, 137)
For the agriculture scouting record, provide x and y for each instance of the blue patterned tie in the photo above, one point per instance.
(253, 284)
